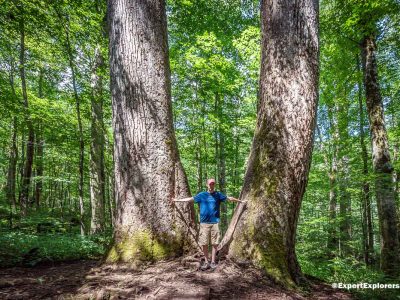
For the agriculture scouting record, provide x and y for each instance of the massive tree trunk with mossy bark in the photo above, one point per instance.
(280, 157)
(385, 196)
(148, 172)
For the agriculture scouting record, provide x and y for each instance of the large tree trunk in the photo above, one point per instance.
(148, 172)
(30, 144)
(390, 259)
(97, 176)
(280, 157)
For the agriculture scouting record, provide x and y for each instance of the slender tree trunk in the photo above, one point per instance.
(12, 168)
(110, 182)
(333, 240)
(20, 174)
(368, 234)
(39, 170)
(39, 153)
(110, 201)
(220, 157)
(148, 172)
(344, 208)
(390, 260)
(80, 129)
(236, 163)
(344, 195)
(222, 179)
(280, 157)
(204, 141)
(13, 156)
(200, 179)
(27, 174)
(396, 180)
(97, 177)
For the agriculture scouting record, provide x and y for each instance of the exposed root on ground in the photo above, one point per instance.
(174, 279)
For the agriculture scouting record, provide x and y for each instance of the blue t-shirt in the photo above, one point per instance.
(209, 206)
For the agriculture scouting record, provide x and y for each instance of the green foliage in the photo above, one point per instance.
(26, 249)
(44, 237)
(215, 62)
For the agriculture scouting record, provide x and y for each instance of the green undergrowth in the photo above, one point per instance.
(348, 271)
(30, 249)
(40, 238)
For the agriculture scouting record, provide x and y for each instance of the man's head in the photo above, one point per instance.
(211, 185)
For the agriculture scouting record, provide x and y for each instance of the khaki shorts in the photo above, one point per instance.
(207, 230)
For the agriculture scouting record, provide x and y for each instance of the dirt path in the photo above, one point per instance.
(164, 280)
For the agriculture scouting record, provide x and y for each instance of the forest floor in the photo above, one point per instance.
(173, 279)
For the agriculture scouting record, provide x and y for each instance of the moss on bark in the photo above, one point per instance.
(141, 247)
(265, 249)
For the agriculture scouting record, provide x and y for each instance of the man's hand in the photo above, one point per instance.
(183, 200)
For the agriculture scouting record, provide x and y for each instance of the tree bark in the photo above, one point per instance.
(12, 168)
(30, 143)
(368, 234)
(280, 157)
(80, 127)
(39, 153)
(148, 172)
(199, 162)
(333, 240)
(13, 155)
(343, 182)
(97, 176)
(344, 208)
(220, 157)
(390, 260)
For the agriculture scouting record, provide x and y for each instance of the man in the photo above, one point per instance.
(209, 219)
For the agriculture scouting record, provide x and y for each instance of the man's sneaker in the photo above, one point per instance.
(213, 266)
(205, 266)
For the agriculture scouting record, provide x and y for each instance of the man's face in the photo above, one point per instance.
(211, 186)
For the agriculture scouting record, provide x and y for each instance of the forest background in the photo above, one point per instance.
(56, 126)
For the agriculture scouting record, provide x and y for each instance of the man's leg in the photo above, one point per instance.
(203, 241)
(214, 253)
(215, 236)
(205, 252)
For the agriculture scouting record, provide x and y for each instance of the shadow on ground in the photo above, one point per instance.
(164, 280)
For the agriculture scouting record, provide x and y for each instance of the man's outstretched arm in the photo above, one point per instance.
(233, 199)
(183, 200)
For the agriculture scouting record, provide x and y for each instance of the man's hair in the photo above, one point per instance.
(210, 180)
